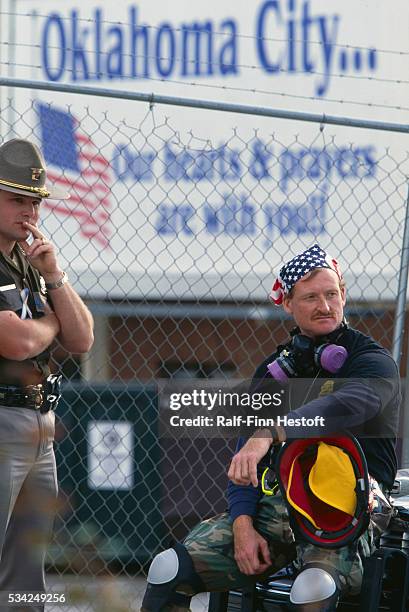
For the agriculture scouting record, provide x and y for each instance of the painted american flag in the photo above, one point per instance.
(75, 164)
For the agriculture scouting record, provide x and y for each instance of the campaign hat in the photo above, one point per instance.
(23, 170)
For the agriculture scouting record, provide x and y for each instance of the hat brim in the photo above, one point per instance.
(55, 194)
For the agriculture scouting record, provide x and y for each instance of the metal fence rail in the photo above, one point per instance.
(243, 109)
(172, 235)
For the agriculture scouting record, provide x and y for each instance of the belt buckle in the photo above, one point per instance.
(38, 396)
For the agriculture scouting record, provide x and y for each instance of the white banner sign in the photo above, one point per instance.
(191, 206)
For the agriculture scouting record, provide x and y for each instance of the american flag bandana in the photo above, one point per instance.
(299, 266)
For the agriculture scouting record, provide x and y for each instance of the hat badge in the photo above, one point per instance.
(36, 173)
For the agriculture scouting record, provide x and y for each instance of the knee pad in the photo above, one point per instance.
(168, 570)
(315, 590)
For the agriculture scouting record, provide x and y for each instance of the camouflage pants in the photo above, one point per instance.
(210, 544)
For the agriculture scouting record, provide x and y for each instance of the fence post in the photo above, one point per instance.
(398, 331)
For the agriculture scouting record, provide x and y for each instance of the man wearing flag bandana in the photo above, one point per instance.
(255, 537)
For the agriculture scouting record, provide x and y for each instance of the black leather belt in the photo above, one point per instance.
(42, 397)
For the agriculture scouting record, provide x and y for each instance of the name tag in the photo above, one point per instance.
(7, 287)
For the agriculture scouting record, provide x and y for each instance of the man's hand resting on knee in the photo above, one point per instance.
(250, 548)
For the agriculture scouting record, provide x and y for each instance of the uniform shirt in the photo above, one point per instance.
(22, 290)
(367, 406)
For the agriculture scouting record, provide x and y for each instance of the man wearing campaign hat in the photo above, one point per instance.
(353, 386)
(37, 306)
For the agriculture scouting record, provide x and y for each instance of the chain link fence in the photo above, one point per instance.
(173, 233)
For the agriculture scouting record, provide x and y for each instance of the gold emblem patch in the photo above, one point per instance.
(36, 173)
(326, 388)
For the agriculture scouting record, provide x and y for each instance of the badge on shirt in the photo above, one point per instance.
(326, 388)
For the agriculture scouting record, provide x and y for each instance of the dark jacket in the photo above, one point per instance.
(364, 401)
